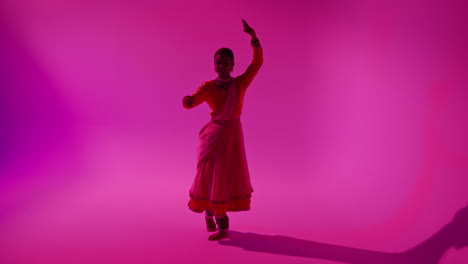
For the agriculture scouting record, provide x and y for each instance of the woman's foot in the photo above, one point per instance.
(223, 226)
(218, 236)
(210, 224)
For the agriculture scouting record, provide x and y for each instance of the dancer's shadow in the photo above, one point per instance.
(453, 234)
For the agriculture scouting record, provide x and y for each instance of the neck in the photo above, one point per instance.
(224, 78)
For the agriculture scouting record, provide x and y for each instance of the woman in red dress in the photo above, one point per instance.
(222, 181)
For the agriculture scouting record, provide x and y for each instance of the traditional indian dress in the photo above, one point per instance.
(222, 181)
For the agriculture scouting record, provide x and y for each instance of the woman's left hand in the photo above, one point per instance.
(248, 29)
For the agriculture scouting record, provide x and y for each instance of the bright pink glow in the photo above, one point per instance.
(355, 127)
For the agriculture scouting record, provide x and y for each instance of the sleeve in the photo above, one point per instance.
(199, 96)
(252, 70)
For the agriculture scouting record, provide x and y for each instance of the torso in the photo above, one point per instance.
(218, 94)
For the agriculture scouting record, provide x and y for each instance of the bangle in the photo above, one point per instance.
(255, 42)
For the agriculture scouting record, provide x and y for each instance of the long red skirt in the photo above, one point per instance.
(222, 182)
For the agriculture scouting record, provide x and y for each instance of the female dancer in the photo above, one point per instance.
(222, 181)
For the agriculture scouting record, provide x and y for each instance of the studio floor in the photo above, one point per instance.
(115, 201)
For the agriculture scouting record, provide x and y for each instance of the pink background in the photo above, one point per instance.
(355, 126)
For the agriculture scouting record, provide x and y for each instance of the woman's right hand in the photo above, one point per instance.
(187, 101)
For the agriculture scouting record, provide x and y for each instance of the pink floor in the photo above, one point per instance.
(103, 207)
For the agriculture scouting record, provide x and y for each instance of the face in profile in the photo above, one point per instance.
(223, 66)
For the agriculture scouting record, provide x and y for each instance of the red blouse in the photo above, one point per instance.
(215, 97)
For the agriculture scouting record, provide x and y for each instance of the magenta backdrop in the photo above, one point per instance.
(355, 126)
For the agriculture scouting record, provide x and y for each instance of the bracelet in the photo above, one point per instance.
(255, 42)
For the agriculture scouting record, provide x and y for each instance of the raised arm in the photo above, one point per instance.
(257, 60)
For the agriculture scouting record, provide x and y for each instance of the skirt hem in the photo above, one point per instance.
(219, 208)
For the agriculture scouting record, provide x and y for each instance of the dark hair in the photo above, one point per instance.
(225, 52)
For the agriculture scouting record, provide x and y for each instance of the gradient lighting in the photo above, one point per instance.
(355, 128)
